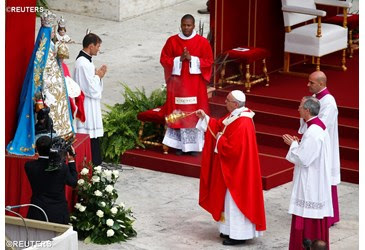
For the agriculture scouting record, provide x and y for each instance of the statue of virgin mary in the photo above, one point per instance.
(44, 83)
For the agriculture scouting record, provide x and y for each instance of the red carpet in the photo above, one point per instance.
(276, 113)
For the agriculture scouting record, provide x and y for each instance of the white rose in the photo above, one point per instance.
(114, 210)
(97, 169)
(110, 233)
(98, 193)
(84, 171)
(77, 205)
(81, 182)
(100, 213)
(110, 222)
(102, 204)
(121, 205)
(82, 208)
(95, 179)
(116, 173)
(109, 188)
(107, 173)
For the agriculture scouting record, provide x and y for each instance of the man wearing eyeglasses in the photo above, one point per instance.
(328, 113)
(311, 200)
(230, 178)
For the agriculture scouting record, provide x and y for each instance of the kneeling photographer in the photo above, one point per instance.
(48, 176)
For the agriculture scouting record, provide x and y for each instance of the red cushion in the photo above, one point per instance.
(248, 56)
(156, 115)
(352, 21)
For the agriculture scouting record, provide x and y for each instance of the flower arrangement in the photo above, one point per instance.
(97, 218)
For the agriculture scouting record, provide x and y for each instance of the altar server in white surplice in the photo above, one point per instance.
(90, 80)
(311, 200)
(317, 84)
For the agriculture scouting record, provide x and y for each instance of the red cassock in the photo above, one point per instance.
(236, 167)
(187, 85)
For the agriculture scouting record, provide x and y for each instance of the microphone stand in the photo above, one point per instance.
(27, 205)
(19, 215)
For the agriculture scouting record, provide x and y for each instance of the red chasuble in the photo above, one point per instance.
(236, 167)
(187, 85)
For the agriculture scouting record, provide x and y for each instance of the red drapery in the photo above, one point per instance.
(19, 42)
(17, 187)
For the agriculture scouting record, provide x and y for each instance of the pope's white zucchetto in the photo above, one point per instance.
(239, 95)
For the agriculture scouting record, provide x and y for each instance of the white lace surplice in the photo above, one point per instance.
(186, 139)
(311, 195)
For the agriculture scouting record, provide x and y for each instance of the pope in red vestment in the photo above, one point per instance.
(232, 164)
(187, 61)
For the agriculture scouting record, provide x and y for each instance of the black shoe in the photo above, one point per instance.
(224, 236)
(179, 152)
(232, 242)
(192, 153)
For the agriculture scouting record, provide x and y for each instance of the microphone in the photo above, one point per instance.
(28, 205)
(11, 207)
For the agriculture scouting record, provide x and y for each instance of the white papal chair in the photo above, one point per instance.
(314, 39)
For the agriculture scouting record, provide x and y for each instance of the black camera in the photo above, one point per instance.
(44, 123)
(58, 152)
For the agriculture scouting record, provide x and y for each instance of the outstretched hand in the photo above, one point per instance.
(200, 113)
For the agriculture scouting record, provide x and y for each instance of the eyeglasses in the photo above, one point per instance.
(227, 100)
(302, 107)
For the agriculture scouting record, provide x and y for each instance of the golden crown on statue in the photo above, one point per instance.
(62, 22)
(47, 18)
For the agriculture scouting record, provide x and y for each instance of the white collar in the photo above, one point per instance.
(321, 90)
(311, 119)
(237, 113)
(315, 95)
(238, 110)
(182, 36)
(86, 53)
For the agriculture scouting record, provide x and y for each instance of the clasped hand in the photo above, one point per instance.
(288, 139)
(101, 71)
(185, 55)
